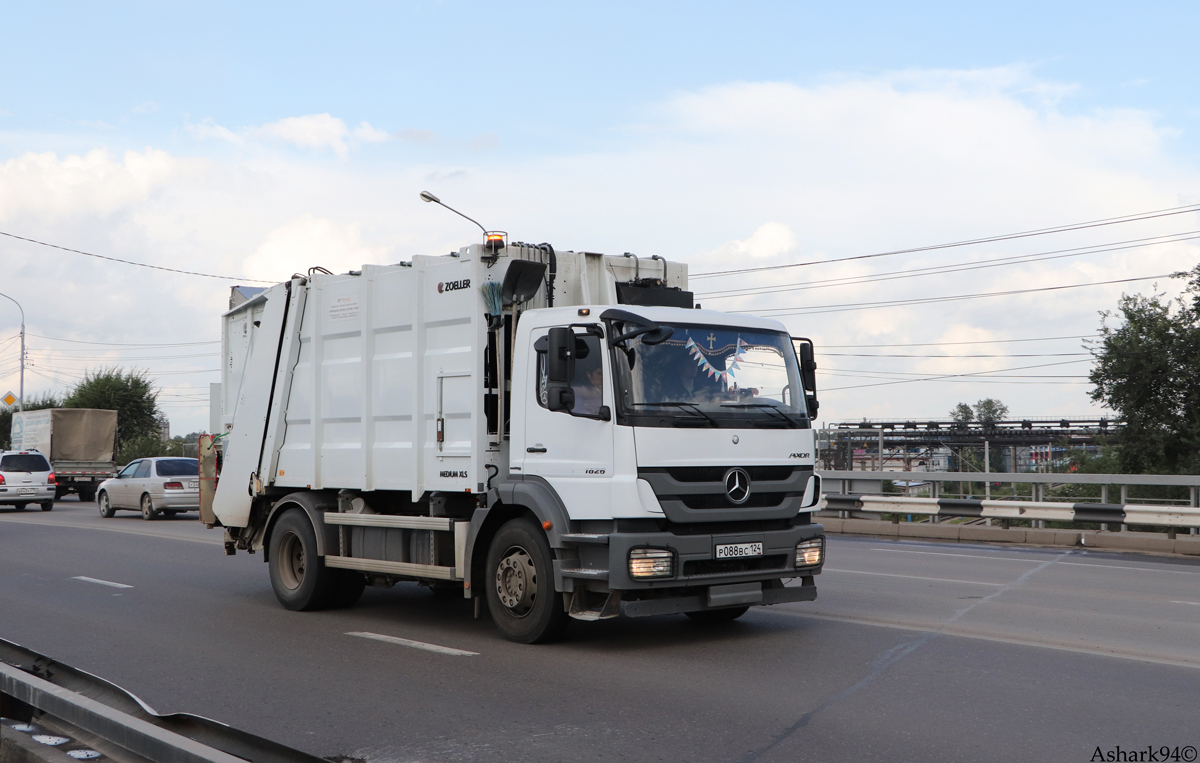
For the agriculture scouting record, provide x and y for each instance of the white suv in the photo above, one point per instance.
(26, 477)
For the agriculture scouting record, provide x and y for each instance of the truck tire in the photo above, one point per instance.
(106, 508)
(87, 493)
(713, 616)
(59, 492)
(349, 588)
(299, 576)
(148, 510)
(47, 505)
(520, 585)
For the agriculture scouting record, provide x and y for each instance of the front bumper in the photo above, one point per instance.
(601, 563)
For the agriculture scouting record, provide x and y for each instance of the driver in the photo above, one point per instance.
(683, 382)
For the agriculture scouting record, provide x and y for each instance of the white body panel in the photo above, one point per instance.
(340, 383)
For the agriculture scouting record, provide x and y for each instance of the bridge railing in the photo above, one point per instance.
(860, 494)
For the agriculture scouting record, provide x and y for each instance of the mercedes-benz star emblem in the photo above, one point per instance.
(736, 440)
(737, 486)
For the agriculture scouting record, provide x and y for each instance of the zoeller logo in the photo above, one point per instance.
(737, 486)
(445, 286)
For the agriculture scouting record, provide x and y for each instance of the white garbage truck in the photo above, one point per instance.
(565, 435)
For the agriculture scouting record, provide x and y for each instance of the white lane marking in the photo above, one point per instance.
(415, 644)
(101, 582)
(1193, 603)
(914, 577)
(964, 556)
(963, 632)
(1122, 567)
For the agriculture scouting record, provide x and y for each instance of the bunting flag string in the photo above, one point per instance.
(712, 371)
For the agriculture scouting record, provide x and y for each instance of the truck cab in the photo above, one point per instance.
(680, 443)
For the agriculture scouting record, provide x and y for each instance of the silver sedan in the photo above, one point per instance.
(152, 486)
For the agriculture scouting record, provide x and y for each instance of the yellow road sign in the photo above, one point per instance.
(9, 398)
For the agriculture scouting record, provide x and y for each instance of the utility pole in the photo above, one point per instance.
(21, 393)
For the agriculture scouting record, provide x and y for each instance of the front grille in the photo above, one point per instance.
(728, 566)
(721, 501)
(717, 473)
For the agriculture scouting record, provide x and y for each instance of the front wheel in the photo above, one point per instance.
(106, 508)
(711, 616)
(299, 576)
(520, 589)
(148, 510)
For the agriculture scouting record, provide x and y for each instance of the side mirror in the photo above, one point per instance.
(808, 367)
(560, 355)
(560, 369)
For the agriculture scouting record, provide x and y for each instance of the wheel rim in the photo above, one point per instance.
(291, 556)
(516, 582)
(147, 507)
(103, 504)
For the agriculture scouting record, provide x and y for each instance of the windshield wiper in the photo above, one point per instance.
(690, 407)
(767, 406)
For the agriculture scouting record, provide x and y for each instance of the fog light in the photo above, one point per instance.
(810, 553)
(651, 563)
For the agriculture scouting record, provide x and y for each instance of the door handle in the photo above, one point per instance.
(535, 450)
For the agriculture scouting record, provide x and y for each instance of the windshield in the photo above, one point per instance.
(716, 374)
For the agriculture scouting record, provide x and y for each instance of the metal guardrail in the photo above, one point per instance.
(1006, 511)
(32, 685)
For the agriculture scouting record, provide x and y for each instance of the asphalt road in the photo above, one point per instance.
(914, 652)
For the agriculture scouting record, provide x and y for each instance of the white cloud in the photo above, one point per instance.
(310, 241)
(312, 131)
(210, 129)
(368, 134)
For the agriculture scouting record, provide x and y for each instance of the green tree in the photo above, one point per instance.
(46, 400)
(989, 411)
(130, 394)
(962, 413)
(1146, 370)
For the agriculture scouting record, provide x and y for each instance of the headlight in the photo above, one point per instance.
(651, 563)
(810, 553)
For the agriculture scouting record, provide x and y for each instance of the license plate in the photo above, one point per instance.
(194, 484)
(27, 491)
(739, 550)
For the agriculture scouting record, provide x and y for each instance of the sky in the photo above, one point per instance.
(254, 142)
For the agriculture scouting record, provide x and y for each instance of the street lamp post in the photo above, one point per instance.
(21, 397)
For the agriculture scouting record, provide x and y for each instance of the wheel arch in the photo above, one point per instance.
(531, 497)
(314, 506)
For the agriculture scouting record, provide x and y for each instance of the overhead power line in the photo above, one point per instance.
(131, 262)
(940, 377)
(777, 312)
(986, 240)
(890, 355)
(947, 344)
(945, 269)
(125, 344)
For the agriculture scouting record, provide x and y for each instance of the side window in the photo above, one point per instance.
(588, 383)
(143, 470)
(589, 378)
(128, 471)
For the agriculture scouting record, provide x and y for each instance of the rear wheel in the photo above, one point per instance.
(299, 576)
(711, 616)
(520, 590)
(87, 493)
(19, 506)
(148, 510)
(47, 505)
(169, 512)
(106, 507)
(348, 589)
